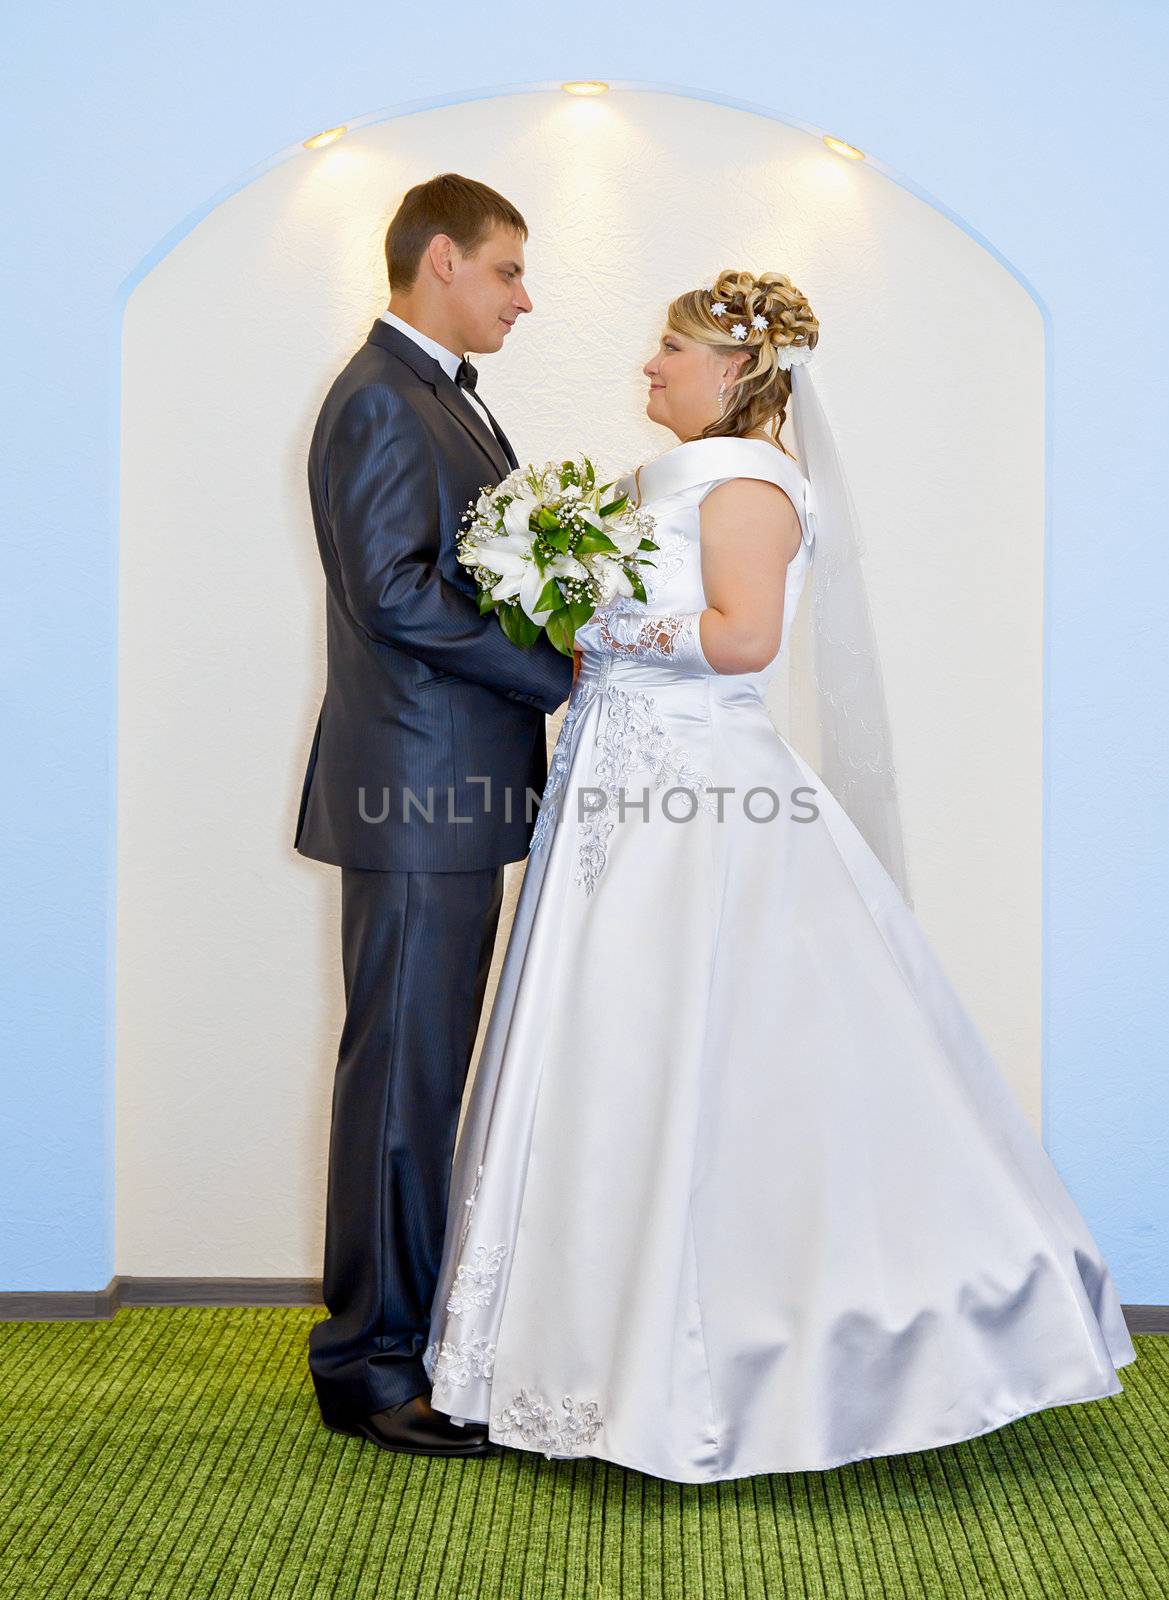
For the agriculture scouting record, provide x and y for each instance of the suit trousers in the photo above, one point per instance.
(416, 953)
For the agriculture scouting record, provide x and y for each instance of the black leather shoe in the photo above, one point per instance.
(414, 1427)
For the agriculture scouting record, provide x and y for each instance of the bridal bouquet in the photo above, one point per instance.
(546, 549)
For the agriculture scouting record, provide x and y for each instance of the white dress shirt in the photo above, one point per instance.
(447, 360)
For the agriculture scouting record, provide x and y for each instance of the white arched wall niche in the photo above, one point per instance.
(229, 979)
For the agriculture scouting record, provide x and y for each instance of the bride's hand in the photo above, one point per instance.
(576, 660)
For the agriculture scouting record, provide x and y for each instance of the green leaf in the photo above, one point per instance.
(614, 506)
(550, 597)
(593, 542)
(638, 586)
(560, 630)
(546, 520)
(558, 538)
(580, 611)
(518, 626)
(486, 603)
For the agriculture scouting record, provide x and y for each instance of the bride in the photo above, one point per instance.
(739, 1188)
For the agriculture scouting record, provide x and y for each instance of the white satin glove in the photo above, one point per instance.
(667, 637)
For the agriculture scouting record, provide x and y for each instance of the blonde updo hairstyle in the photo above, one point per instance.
(760, 393)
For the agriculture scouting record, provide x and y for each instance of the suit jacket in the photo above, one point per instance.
(430, 750)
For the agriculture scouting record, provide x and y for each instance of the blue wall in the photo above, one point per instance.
(1040, 126)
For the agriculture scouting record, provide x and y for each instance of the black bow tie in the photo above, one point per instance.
(465, 378)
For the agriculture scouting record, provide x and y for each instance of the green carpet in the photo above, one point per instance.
(178, 1452)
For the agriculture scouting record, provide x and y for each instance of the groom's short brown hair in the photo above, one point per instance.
(449, 204)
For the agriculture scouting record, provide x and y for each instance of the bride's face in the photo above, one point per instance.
(684, 378)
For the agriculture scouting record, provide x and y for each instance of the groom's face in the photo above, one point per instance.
(487, 290)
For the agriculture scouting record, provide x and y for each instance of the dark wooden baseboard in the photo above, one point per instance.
(103, 1303)
(1147, 1319)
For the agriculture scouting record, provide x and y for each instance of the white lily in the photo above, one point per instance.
(510, 557)
(624, 535)
(519, 576)
(531, 587)
(566, 566)
(507, 553)
(518, 514)
(476, 556)
(612, 578)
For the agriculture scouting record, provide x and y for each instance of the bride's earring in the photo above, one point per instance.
(722, 404)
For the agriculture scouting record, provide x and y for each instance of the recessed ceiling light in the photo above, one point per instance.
(585, 86)
(319, 140)
(848, 151)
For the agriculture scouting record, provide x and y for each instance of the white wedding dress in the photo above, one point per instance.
(739, 1188)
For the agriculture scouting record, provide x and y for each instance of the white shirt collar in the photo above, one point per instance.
(446, 358)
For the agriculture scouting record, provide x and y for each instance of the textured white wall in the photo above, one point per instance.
(229, 986)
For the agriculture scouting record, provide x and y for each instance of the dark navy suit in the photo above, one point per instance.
(424, 778)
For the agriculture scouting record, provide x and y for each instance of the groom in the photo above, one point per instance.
(429, 739)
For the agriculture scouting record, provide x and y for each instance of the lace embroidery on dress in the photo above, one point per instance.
(452, 1363)
(550, 802)
(631, 734)
(668, 561)
(628, 633)
(530, 1420)
(475, 1281)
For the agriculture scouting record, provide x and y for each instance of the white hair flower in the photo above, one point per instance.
(718, 309)
(759, 321)
(739, 330)
(793, 355)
